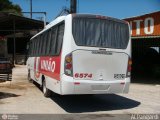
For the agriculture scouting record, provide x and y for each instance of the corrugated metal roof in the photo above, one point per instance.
(141, 15)
(21, 23)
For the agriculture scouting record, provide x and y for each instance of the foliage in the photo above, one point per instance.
(8, 6)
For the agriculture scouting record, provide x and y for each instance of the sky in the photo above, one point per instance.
(113, 8)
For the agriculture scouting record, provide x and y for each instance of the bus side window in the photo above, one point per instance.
(29, 48)
(53, 41)
(36, 46)
(59, 40)
(41, 43)
(32, 48)
(45, 45)
(48, 41)
(38, 49)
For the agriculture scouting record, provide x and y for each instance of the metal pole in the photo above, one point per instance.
(44, 17)
(31, 8)
(73, 6)
(14, 42)
(44, 20)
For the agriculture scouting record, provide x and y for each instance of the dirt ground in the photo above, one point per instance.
(22, 97)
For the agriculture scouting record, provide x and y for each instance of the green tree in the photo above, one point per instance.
(8, 6)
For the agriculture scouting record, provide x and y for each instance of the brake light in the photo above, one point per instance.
(68, 68)
(129, 67)
(4, 66)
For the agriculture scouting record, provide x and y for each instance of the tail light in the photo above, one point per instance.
(129, 67)
(5, 66)
(68, 68)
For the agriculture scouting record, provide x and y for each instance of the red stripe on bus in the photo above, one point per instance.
(50, 66)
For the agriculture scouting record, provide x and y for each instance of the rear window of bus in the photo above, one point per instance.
(96, 32)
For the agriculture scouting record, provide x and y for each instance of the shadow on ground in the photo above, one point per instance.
(4, 95)
(94, 103)
(145, 78)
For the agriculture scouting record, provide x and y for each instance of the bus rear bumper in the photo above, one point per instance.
(94, 87)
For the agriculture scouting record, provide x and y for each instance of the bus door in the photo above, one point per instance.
(36, 68)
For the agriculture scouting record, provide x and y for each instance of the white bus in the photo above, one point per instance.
(81, 54)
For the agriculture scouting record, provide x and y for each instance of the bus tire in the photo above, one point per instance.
(45, 90)
(29, 77)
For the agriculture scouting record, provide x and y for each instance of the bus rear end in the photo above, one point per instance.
(99, 60)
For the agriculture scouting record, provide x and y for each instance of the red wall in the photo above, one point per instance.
(145, 22)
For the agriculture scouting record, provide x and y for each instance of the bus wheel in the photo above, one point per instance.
(29, 76)
(46, 91)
